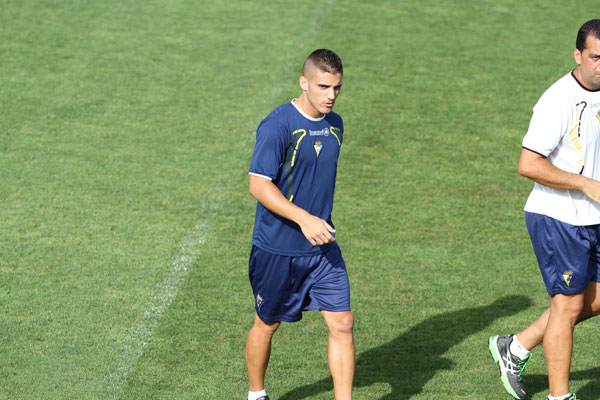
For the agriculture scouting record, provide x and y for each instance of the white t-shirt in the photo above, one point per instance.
(565, 128)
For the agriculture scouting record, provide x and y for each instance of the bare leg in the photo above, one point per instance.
(258, 351)
(534, 333)
(341, 352)
(558, 340)
(591, 302)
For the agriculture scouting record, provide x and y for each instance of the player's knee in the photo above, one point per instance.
(344, 324)
(267, 328)
(568, 308)
(271, 328)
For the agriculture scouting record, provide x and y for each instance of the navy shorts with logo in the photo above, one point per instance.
(568, 255)
(284, 286)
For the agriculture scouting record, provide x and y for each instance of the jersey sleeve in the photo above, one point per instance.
(270, 149)
(547, 127)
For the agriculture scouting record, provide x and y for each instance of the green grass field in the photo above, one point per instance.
(126, 134)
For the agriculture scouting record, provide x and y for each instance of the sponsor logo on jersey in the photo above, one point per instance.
(568, 276)
(318, 147)
(322, 132)
(259, 301)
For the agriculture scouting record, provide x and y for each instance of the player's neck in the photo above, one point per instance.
(307, 108)
(582, 82)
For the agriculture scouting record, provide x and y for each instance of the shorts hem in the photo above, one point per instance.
(278, 318)
(330, 309)
(567, 292)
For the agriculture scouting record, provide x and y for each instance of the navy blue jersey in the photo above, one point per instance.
(299, 154)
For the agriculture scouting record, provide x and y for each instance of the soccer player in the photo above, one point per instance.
(295, 262)
(561, 154)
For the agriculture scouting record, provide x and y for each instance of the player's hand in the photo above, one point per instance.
(591, 189)
(317, 231)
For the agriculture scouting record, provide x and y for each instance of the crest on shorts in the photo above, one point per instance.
(259, 301)
(318, 147)
(568, 276)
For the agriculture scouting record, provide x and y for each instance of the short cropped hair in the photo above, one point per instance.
(592, 27)
(325, 60)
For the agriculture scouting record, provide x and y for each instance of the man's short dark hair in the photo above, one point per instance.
(325, 60)
(592, 27)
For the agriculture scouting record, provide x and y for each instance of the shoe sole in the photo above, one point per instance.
(492, 345)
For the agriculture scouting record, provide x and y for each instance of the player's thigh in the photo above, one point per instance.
(330, 290)
(592, 292)
(278, 285)
(591, 303)
(563, 252)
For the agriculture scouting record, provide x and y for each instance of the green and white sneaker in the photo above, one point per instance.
(511, 366)
(573, 397)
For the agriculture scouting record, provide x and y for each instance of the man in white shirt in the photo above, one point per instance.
(561, 154)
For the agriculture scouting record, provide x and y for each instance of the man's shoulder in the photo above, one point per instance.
(278, 119)
(282, 113)
(565, 83)
(559, 95)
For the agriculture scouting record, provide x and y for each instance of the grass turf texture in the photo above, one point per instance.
(126, 134)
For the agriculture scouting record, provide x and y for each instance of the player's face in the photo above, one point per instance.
(320, 90)
(588, 63)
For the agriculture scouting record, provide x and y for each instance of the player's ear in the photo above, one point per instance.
(303, 83)
(577, 55)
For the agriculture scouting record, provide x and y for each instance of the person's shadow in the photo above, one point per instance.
(408, 362)
(591, 391)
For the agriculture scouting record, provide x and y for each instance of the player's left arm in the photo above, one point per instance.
(537, 168)
(316, 230)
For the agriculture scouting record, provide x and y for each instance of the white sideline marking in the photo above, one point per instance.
(135, 342)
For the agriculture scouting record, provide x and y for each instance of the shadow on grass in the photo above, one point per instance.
(408, 362)
(590, 391)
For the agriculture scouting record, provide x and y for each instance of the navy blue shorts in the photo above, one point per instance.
(285, 286)
(568, 255)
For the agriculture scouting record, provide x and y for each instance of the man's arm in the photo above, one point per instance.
(537, 168)
(316, 230)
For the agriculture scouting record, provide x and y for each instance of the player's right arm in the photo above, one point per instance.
(537, 168)
(316, 230)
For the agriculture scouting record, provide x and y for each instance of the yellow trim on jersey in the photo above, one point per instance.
(574, 133)
(332, 129)
(291, 198)
(298, 143)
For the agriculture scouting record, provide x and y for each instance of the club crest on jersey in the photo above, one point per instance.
(598, 115)
(259, 301)
(568, 276)
(318, 147)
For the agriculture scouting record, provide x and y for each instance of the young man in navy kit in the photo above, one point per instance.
(295, 262)
(561, 153)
